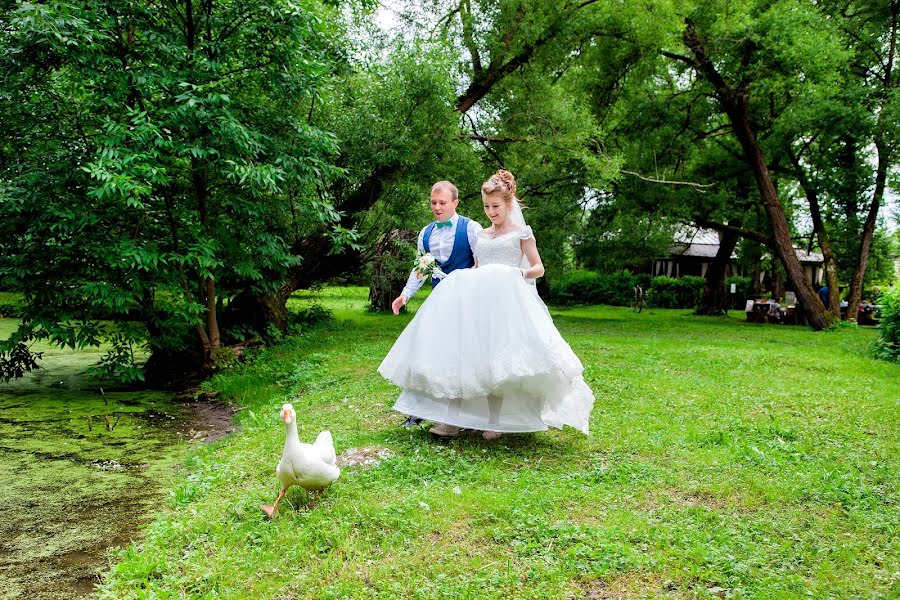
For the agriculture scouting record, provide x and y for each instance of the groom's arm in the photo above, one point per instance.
(413, 283)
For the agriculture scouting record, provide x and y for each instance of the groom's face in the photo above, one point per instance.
(443, 206)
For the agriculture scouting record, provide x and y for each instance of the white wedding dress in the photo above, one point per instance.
(482, 351)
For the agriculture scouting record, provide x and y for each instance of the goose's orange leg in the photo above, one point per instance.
(271, 510)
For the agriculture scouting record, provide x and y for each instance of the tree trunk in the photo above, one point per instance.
(784, 248)
(212, 323)
(831, 276)
(256, 312)
(714, 300)
(884, 158)
(211, 337)
(736, 106)
(391, 266)
(865, 246)
(176, 369)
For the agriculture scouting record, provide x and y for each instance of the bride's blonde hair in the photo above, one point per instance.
(502, 183)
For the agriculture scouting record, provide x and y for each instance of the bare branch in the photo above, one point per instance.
(483, 142)
(692, 184)
(492, 140)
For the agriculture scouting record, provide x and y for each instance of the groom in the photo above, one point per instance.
(450, 239)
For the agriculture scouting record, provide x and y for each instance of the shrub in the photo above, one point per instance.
(888, 344)
(873, 294)
(669, 292)
(587, 287)
(742, 289)
(10, 310)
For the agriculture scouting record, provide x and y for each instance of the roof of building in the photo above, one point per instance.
(809, 257)
(698, 243)
(704, 243)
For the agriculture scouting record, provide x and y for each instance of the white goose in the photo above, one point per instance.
(311, 466)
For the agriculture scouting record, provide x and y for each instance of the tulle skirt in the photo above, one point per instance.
(482, 353)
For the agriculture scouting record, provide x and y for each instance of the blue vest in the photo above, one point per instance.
(461, 255)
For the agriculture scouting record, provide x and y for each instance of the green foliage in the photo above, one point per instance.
(147, 153)
(671, 292)
(742, 288)
(9, 310)
(587, 287)
(150, 152)
(888, 345)
(310, 315)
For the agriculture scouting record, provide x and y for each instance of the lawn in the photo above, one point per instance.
(725, 459)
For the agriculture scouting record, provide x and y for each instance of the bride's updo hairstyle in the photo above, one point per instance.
(502, 183)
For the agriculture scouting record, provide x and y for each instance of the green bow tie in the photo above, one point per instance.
(440, 224)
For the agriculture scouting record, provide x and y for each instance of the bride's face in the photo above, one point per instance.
(496, 208)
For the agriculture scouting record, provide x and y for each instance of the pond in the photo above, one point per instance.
(82, 469)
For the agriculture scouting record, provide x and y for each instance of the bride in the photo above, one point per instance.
(482, 351)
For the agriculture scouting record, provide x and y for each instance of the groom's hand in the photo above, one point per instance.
(399, 303)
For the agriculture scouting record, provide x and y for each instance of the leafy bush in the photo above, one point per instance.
(873, 294)
(10, 311)
(888, 344)
(742, 289)
(669, 292)
(587, 287)
(307, 317)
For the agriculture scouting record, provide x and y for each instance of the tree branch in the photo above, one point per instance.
(749, 234)
(680, 57)
(668, 182)
(465, 16)
(492, 140)
(484, 142)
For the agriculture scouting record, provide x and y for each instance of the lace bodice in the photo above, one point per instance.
(505, 249)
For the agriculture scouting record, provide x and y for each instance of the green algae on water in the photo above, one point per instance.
(72, 486)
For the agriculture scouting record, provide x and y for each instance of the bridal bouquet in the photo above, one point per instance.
(427, 267)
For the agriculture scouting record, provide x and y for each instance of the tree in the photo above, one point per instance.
(734, 100)
(179, 150)
(872, 28)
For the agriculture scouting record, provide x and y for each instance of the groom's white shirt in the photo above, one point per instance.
(441, 244)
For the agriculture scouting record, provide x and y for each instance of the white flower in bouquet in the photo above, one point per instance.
(426, 266)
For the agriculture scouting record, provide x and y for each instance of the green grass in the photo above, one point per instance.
(747, 461)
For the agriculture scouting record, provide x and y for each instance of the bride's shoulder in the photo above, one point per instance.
(525, 233)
